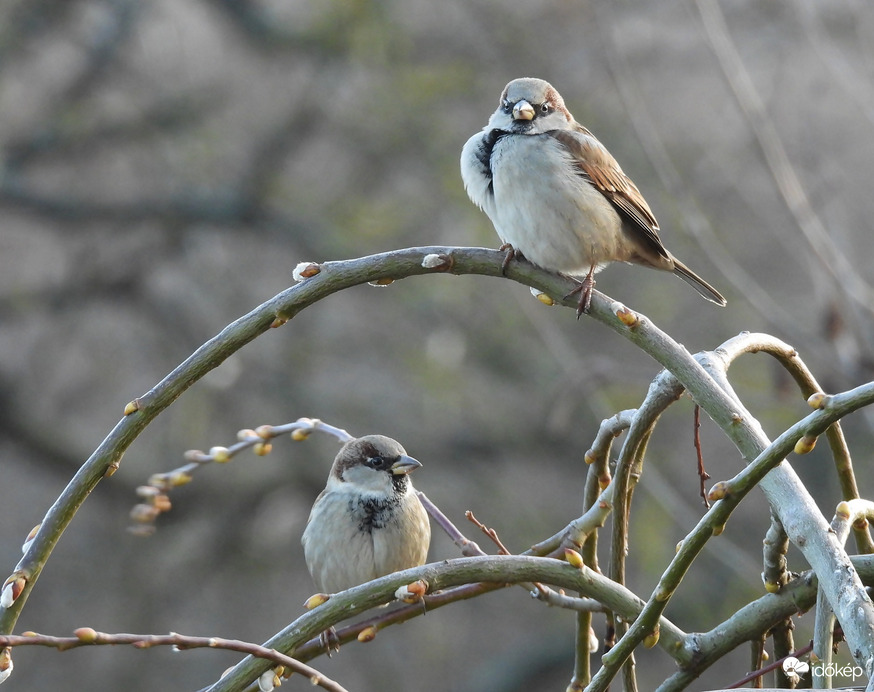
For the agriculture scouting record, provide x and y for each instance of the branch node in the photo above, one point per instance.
(12, 589)
(719, 491)
(5, 663)
(316, 600)
(29, 540)
(368, 634)
(438, 262)
(628, 317)
(818, 400)
(86, 635)
(573, 558)
(805, 444)
(305, 270)
(544, 298)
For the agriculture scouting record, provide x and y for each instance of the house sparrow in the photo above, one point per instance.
(557, 196)
(367, 522)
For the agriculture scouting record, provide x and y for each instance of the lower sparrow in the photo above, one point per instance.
(367, 522)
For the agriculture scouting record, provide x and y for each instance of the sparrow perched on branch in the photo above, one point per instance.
(367, 522)
(556, 196)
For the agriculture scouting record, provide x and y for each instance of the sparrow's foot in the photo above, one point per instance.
(330, 641)
(584, 288)
(511, 254)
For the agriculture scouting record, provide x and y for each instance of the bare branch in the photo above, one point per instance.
(705, 381)
(788, 357)
(499, 569)
(85, 636)
(729, 495)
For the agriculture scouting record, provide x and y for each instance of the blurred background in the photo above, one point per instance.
(166, 164)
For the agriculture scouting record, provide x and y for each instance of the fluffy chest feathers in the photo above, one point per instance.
(355, 535)
(545, 208)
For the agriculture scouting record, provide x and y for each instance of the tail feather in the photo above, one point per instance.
(699, 284)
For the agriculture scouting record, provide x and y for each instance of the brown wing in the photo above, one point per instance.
(601, 169)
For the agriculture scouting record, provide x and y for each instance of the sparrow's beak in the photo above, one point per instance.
(523, 111)
(404, 465)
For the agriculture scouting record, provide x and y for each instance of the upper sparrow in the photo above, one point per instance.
(367, 522)
(557, 196)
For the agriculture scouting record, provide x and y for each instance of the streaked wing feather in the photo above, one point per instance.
(601, 169)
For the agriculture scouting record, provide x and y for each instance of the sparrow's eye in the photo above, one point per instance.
(506, 106)
(545, 108)
(375, 462)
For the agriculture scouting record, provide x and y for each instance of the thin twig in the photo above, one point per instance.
(538, 589)
(470, 548)
(764, 670)
(442, 575)
(491, 533)
(153, 495)
(703, 476)
(731, 493)
(86, 636)
(788, 357)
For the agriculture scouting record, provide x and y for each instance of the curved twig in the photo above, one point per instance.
(498, 569)
(789, 502)
(88, 637)
(789, 359)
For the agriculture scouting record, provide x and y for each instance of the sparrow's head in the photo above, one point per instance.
(373, 464)
(530, 106)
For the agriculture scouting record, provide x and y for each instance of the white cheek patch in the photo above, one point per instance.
(366, 480)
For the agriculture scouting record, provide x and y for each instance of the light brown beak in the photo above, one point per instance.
(523, 111)
(404, 465)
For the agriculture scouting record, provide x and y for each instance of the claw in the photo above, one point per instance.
(584, 288)
(510, 255)
(330, 641)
